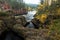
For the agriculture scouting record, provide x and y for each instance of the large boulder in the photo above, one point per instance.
(21, 19)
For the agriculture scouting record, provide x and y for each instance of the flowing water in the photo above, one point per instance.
(30, 15)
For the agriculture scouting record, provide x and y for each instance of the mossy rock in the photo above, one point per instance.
(4, 14)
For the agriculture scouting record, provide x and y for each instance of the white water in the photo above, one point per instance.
(30, 15)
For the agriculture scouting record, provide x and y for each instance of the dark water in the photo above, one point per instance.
(11, 35)
(30, 25)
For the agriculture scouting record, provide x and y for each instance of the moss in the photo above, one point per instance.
(3, 14)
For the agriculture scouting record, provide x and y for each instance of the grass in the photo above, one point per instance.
(54, 30)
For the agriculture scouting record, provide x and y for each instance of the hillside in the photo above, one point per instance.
(32, 5)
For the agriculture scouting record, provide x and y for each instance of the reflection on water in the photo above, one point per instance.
(30, 25)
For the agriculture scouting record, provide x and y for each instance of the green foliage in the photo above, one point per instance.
(14, 4)
(3, 14)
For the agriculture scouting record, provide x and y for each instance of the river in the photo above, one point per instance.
(30, 15)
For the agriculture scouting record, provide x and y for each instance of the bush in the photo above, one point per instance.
(3, 14)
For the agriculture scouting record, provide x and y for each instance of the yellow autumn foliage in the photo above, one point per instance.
(42, 17)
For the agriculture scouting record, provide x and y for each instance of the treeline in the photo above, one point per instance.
(14, 4)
